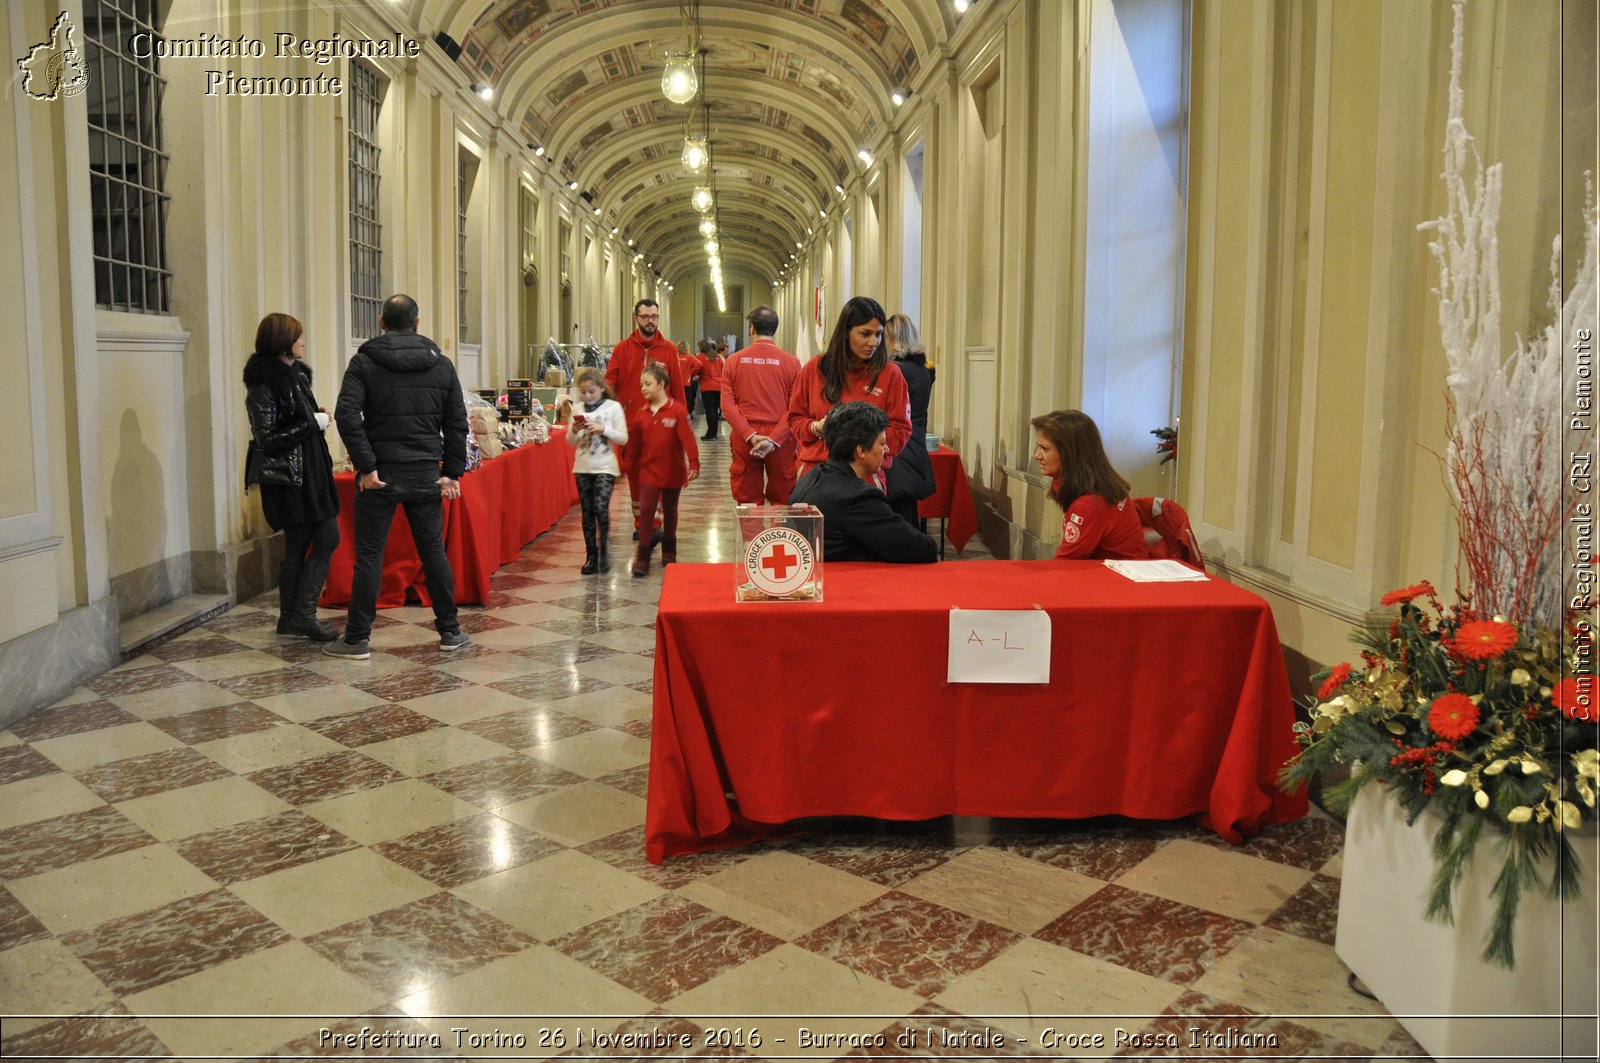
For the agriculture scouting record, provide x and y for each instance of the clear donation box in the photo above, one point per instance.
(780, 557)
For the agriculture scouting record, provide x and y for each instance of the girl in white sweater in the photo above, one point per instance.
(595, 428)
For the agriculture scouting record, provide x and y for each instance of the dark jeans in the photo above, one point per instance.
(712, 401)
(417, 489)
(310, 542)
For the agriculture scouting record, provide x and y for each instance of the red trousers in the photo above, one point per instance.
(756, 480)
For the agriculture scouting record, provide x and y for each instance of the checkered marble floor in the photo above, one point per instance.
(236, 846)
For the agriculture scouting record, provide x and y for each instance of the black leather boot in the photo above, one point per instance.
(669, 551)
(304, 623)
(591, 560)
(288, 582)
(602, 536)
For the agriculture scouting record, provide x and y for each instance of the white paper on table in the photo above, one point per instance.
(999, 646)
(1162, 571)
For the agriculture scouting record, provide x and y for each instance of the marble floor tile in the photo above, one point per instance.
(433, 751)
(72, 717)
(113, 887)
(1034, 987)
(549, 990)
(557, 894)
(908, 942)
(152, 773)
(402, 951)
(548, 686)
(266, 684)
(44, 797)
(512, 639)
(1228, 883)
(392, 811)
(273, 748)
(594, 753)
(675, 946)
(890, 854)
(610, 707)
(305, 706)
(176, 699)
(325, 777)
(1311, 913)
(626, 640)
(1275, 973)
(197, 809)
(346, 671)
(577, 814)
(788, 973)
(491, 666)
(1159, 937)
(196, 645)
(503, 780)
(116, 1035)
(18, 926)
(60, 841)
(465, 850)
(20, 762)
(536, 613)
(566, 654)
(288, 980)
(122, 681)
(527, 726)
(323, 894)
(477, 621)
(625, 850)
(1094, 849)
(88, 749)
(224, 721)
(241, 662)
(1203, 1027)
(784, 894)
(141, 951)
(261, 846)
(620, 668)
(44, 978)
(634, 780)
(1307, 843)
(403, 686)
(1003, 888)
(377, 724)
(467, 704)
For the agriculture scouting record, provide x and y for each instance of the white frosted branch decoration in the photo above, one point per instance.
(1506, 445)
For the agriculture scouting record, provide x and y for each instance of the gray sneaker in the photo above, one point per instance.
(450, 641)
(356, 651)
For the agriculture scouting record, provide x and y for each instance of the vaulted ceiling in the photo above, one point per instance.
(794, 89)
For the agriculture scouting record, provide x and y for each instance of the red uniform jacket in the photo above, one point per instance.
(1094, 529)
(711, 373)
(807, 404)
(627, 362)
(667, 450)
(756, 384)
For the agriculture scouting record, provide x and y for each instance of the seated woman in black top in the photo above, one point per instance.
(857, 523)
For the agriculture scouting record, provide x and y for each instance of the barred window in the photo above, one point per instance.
(127, 166)
(462, 189)
(366, 231)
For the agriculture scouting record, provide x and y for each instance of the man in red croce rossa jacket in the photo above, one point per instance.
(628, 359)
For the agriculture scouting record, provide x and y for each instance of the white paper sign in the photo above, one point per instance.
(999, 646)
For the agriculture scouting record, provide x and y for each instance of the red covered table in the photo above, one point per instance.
(951, 501)
(1165, 701)
(504, 504)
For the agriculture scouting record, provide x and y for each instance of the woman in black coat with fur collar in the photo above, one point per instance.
(289, 459)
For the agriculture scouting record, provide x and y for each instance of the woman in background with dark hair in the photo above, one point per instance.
(289, 459)
(854, 368)
(1098, 520)
(910, 478)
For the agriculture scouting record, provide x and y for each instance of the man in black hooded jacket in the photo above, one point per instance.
(403, 422)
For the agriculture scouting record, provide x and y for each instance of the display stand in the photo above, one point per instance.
(519, 399)
(781, 554)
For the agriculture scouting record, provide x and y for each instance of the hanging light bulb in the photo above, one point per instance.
(702, 198)
(678, 80)
(708, 228)
(694, 153)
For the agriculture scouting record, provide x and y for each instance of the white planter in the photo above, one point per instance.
(1430, 976)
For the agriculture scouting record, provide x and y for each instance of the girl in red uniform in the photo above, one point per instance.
(854, 368)
(1098, 520)
(668, 459)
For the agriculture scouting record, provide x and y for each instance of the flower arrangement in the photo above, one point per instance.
(1477, 718)
(1166, 443)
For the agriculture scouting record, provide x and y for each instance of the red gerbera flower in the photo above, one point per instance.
(1482, 640)
(1405, 594)
(1335, 680)
(1453, 716)
(1574, 696)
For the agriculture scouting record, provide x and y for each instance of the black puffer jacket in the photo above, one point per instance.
(282, 412)
(911, 475)
(401, 404)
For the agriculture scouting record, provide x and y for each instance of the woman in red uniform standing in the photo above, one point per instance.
(668, 459)
(1098, 519)
(711, 364)
(854, 368)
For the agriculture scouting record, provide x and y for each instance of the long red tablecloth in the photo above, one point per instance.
(951, 500)
(1165, 701)
(504, 504)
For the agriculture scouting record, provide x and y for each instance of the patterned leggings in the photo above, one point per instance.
(594, 499)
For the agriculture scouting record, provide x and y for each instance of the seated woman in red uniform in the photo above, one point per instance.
(1098, 519)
